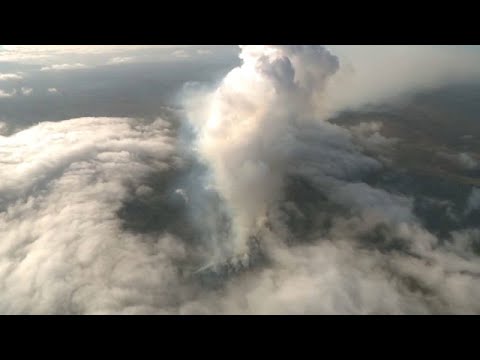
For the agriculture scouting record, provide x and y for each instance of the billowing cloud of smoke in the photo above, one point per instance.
(253, 129)
(248, 137)
(263, 126)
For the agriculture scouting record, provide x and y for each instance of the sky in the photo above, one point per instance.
(276, 179)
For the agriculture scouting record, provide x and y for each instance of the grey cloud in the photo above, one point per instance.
(464, 160)
(4, 94)
(26, 90)
(473, 202)
(121, 60)
(182, 53)
(58, 67)
(4, 77)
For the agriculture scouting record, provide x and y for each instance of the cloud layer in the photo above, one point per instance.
(63, 249)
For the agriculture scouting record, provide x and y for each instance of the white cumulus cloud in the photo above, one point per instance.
(57, 67)
(26, 90)
(4, 77)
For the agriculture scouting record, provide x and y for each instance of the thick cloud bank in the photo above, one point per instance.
(63, 249)
(267, 211)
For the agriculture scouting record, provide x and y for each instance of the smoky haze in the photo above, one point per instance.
(268, 180)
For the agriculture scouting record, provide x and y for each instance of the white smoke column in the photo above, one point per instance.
(249, 132)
